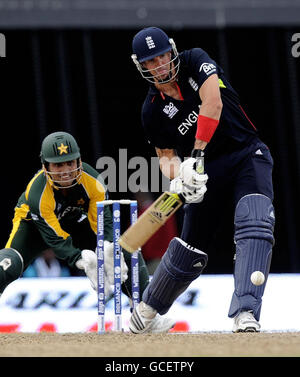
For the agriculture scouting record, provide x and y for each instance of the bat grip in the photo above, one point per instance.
(198, 154)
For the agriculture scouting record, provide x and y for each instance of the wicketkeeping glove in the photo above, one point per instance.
(109, 263)
(88, 263)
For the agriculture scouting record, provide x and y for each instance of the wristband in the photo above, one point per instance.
(205, 128)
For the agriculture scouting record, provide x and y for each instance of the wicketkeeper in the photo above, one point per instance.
(191, 106)
(58, 210)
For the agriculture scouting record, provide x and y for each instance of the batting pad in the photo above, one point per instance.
(180, 265)
(254, 225)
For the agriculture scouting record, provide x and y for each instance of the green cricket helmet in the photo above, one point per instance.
(60, 147)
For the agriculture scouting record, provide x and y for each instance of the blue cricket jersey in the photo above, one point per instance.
(172, 124)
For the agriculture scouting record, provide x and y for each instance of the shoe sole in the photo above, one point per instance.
(247, 329)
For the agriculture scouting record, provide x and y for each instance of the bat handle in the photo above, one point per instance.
(198, 154)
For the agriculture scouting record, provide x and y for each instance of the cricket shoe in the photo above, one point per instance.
(145, 319)
(245, 322)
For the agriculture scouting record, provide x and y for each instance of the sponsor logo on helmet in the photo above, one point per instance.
(150, 42)
(208, 68)
(170, 110)
(63, 149)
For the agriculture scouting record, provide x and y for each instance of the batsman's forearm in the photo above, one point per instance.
(170, 167)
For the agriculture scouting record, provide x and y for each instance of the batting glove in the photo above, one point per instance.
(189, 176)
(191, 194)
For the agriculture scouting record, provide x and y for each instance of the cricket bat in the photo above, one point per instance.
(155, 216)
(150, 221)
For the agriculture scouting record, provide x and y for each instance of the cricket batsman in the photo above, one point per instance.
(191, 107)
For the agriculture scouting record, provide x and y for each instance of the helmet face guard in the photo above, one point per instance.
(57, 183)
(58, 148)
(152, 42)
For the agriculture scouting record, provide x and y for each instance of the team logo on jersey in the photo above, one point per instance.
(208, 68)
(170, 110)
(188, 122)
(150, 42)
(63, 149)
(193, 84)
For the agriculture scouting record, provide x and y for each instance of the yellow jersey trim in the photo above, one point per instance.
(46, 208)
(20, 214)
(96, 193)
(221, 84)
(31, 183)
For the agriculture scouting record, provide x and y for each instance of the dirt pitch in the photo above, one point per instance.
(150, 345)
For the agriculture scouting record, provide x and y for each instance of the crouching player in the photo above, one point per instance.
(58, 210)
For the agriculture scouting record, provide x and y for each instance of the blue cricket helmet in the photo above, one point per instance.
(149, 43)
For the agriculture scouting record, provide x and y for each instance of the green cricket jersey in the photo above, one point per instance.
(46, 207)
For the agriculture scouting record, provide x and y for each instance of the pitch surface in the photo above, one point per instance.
(150, 345)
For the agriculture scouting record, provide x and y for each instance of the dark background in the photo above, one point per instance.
(83, 81)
